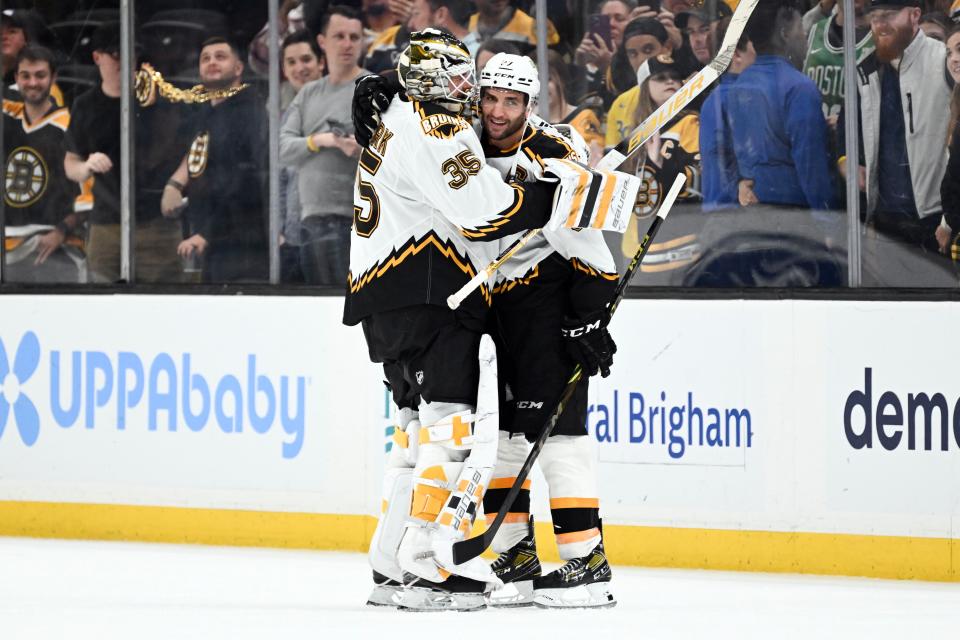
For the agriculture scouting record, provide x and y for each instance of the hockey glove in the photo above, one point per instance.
(589, 343)
(590, 199)
(371, 97)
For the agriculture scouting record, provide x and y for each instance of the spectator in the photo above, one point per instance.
(666, 15)
(37, 190)
(673, 151)
(594, 55)
(224, 173)
(935, 25)
(642, 39)
(950, 188)
(385, 50)
(904, 115)
(92, 145)
(824, 62)
(450, 15)
(491, 48)
(779, 133)
(290, 20)
(583, 118)
(500, 20)
(317, 139)
(379, 17)
(953, 55)
(720, 173)
(699, 28)
(19, 27)
(302, 63)
(821, 10)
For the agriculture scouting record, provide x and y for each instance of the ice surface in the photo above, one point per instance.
(103, 590)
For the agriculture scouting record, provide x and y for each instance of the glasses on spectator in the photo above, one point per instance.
(699, 31)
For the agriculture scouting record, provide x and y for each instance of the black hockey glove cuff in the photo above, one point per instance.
(371, 97)
(589, 343)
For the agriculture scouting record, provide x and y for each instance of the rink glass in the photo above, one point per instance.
(761, 246)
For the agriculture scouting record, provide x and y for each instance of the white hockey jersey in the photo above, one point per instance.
(586, 249)
(424, 197)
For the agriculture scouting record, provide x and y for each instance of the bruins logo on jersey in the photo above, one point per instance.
(442, 125)
(26, 179)
(199, 155)
(650, 194)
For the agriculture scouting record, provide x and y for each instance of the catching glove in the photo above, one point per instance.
(371, 97)
(589, 343)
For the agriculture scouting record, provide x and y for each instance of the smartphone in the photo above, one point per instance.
(653, 5)
(600, 26)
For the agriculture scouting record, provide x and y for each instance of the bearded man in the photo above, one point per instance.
(224, 174)
(905, 108)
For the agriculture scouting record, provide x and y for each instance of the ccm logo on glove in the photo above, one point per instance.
(577, 332)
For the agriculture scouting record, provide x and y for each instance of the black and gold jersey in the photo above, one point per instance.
(386, 49)
(424, 201)
(36, 190)
(576, 264)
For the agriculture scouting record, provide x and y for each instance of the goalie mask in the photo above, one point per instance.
(438, 67)
(513, 73)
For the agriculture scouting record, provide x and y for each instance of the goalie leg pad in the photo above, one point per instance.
(569, 464)
(457, 455)
(397, 490)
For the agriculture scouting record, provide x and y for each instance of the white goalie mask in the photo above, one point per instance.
(514, 73)
(438, 67)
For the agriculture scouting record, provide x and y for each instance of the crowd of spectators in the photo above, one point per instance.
(769, 135)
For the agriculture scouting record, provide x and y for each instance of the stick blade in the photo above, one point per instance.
(468, 549)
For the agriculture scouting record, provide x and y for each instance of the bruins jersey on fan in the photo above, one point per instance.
(36, 188)
(679, 153)
(423, 199)
(583, 254)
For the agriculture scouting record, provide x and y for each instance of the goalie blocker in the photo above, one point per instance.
(590, 199)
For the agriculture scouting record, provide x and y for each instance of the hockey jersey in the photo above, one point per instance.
(584, 253)
(519, 28)
(423, 199)
(37, 190)
(824, 63)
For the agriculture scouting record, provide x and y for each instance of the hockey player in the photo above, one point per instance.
(550, 312)
(412, 247)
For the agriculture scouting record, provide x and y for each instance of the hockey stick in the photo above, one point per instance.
(690, 90)
(470, 548)
(640, 135)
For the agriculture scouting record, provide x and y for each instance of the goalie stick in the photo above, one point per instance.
(465, 550)
(640, 135)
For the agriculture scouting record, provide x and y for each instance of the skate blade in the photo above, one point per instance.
(422, 599)
(512, 594)
(383, 596)
(586, 596)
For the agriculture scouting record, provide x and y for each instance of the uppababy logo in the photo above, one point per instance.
(25, 362)
(167, 392)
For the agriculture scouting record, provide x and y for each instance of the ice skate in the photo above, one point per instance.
(384, 591)
(456, 593)
(517, 568)
(580, 583)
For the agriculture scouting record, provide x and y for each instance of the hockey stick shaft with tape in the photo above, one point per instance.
(641, 134)
(456, 299)
(465, 550)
